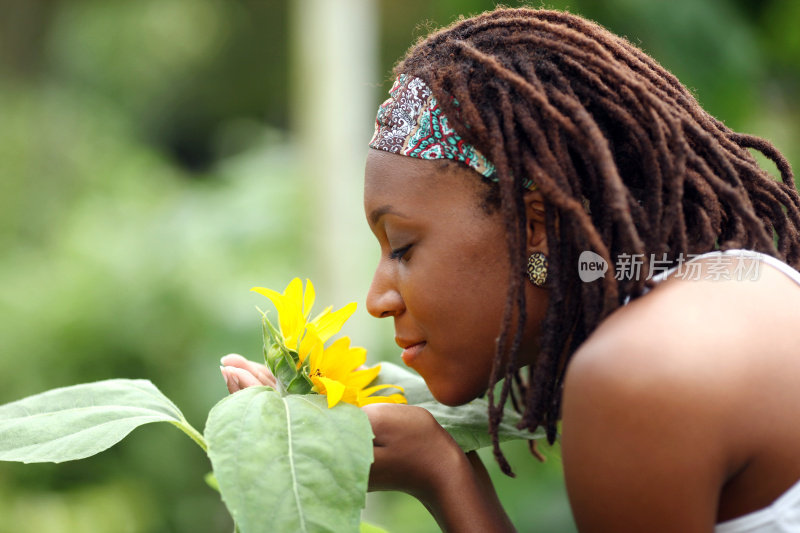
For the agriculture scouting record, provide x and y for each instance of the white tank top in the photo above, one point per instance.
(783, 515)
(732, 256)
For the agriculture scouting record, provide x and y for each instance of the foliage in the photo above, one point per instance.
(79, 421)
(283, 458)
(288, 463)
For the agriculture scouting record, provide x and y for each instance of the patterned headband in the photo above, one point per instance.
(411, 123)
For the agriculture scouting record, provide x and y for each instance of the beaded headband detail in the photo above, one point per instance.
(411, 123)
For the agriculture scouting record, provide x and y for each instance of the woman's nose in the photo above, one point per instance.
(383, 298)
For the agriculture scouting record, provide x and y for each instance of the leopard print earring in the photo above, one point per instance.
(537, 268)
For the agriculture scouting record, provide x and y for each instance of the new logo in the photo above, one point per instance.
(591, 266)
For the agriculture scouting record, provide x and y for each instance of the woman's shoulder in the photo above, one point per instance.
(706, 337)
(706, 310)
(666, 399)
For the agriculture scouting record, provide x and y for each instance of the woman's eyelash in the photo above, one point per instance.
(398, 253)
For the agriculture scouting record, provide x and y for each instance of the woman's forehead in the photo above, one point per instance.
(390, 174)
(387, 170)
(418, 189)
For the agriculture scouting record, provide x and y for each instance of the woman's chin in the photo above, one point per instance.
(452, 396)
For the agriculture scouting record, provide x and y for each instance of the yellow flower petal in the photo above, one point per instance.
(294, 290)
(275, 297)
(324, 312)
(376, 388)
(328, 324)
(315, 360)
(365, 396)
(292, 325)
(311, 345)
(289, 307)
(308, 299)
(333, 390)
(361, 378)
(393, 398)
(341, 359)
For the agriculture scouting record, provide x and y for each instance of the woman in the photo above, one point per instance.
(548, 201)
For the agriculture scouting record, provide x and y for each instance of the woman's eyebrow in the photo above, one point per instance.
(378, 212)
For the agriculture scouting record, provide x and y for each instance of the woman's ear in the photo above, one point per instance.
(534, 214)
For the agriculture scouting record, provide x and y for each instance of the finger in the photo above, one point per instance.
(242, 377)
(231, 381)
(233, 359)
(261, 372)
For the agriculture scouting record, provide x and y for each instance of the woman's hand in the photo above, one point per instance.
(414, 454)
(240, 373)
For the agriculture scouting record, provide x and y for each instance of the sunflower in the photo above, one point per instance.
(294, 308)
(336, 371)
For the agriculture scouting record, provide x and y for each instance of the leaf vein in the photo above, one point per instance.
(291, 465)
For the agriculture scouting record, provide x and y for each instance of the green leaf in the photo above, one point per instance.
(282, 366)
(288, 463)
(270, 332)
(468, 424)
(82, 420)
(301, 384)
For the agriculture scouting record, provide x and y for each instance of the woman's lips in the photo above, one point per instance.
(412, 352)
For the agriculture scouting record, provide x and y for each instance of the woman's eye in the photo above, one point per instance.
(399, 253)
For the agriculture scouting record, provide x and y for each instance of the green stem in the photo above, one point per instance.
(193, 434)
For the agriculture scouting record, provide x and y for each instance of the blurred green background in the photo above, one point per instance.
(160, 157)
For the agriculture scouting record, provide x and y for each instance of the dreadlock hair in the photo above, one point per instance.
(625, 158)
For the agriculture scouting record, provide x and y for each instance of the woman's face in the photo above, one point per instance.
(443, 272)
